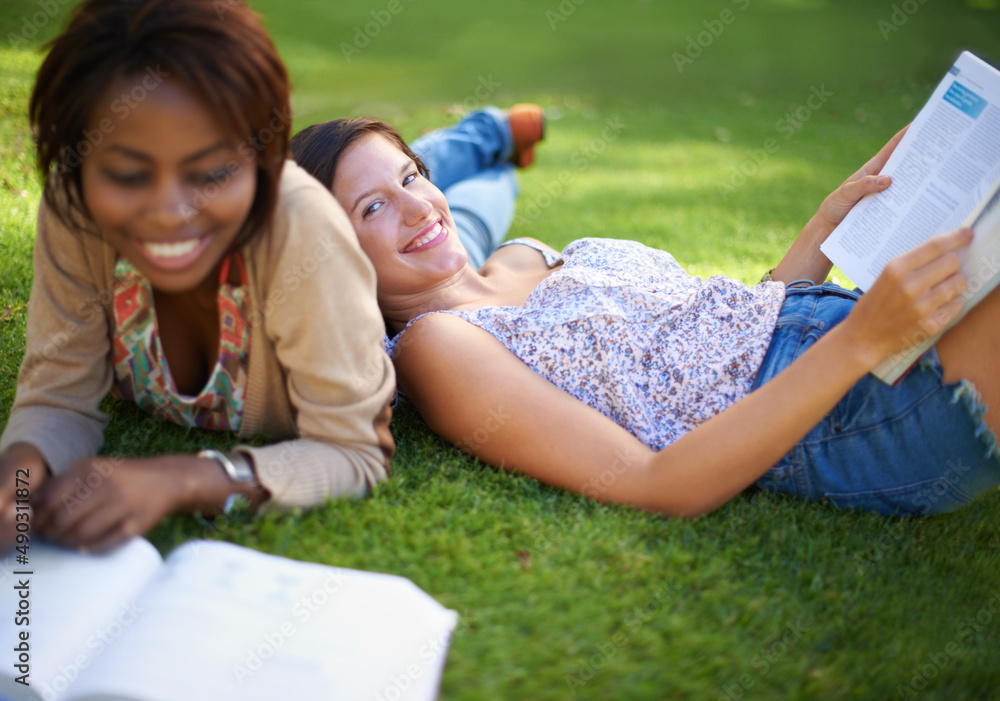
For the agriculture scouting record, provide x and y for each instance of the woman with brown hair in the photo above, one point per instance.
(472, 162)
(182, 263)
(606, 369)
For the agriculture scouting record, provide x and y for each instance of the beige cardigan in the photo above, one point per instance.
(319, 378)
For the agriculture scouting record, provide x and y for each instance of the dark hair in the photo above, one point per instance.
(318, 148)
(218, 49)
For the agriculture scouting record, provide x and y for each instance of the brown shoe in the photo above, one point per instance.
(527, 126)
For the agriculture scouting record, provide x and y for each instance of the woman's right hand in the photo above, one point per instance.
(915, 297)
(22, 467)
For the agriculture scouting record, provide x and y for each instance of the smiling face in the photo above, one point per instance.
(166, 185)
(402, 220)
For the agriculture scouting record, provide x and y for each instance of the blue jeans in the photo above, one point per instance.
(469, 163)
(919, 447)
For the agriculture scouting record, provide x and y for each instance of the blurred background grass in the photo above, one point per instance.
(561, 597)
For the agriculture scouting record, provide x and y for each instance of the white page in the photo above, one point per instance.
(224, 622)
(952, 149)
(981, 266)
(81, 606)
(972, 201)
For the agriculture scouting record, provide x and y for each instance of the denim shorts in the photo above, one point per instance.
(919, 447)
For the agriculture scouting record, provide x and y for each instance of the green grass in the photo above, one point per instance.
(766, 598)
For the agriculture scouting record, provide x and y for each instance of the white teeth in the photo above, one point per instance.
(171, 250)
(426, 238)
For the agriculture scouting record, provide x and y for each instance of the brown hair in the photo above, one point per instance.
(318, 148)
(218, 49)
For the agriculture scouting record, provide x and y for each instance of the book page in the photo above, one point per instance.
(950, 152)
(224, 622)
(81, 606)
(981, 267)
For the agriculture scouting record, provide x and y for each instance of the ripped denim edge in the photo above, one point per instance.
(966, 392)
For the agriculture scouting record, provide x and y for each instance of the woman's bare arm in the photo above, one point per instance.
(478, 395)
(804, 260)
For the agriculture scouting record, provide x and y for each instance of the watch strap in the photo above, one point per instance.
(240, 470)
(235, 464)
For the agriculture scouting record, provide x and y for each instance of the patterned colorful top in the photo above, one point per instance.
(141, 371)
(624, 329)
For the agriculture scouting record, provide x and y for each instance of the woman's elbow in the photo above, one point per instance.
(651, 490)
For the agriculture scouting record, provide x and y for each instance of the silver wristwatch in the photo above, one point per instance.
(240, 470)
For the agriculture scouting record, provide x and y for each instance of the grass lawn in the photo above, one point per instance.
(561, 597)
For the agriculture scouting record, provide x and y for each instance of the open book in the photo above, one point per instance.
(945, 174)
(215, 621)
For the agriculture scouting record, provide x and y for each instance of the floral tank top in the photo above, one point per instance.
(621, 327)
(141, 371)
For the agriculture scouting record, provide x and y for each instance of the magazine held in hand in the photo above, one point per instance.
(214, 621)
(945, 174)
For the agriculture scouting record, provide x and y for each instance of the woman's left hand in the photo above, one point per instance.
(804, 259)
(864, 182)
(102, 501)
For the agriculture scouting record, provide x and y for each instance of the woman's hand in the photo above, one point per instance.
(102, 501)
(864, 182)
(804, 260)
(916, 296)
(22, 467)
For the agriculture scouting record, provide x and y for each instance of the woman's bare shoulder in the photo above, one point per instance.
(521, 258)
(426, 336)
(441, 353)
(535, 242)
